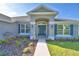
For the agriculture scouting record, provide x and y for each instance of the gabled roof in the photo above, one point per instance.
(42, 8)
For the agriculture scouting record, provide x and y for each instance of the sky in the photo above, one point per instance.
(66, 10)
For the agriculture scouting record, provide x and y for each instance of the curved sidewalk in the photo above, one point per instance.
(41, 49)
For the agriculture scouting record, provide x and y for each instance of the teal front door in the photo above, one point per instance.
(41, 30)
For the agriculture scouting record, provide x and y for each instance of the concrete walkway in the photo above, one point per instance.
(41, 49)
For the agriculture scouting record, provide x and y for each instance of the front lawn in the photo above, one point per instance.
(63, 48)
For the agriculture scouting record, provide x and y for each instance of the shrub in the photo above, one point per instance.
(66, 39)
(2, 41)
(31, 44)
(12, 38)
(17, 44)
(24, 39)
(7, 34)
(26, 50)
(23, 36)
(60, 39)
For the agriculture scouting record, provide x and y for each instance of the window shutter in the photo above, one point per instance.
(71, 29)
(55, 29)
(18, 28)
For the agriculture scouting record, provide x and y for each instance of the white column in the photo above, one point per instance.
(76, 30)
(33, 36)
(51, 31)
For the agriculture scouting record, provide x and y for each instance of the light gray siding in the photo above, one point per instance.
(7, 27)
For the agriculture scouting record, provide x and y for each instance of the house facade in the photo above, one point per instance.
(41, 22)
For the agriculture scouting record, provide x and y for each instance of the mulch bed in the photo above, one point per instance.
(13, 49)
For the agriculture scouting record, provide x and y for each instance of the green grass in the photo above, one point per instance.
(58, 48)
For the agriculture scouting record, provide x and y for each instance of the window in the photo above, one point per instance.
(27, 28)
(59, 29)
(24, 28)
(63, 29)
(66, 29)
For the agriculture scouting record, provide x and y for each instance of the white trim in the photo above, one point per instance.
(66, 29)
(24, 30)
(51, 22)
(63, 32)
(32, 22)
(42, 13)
(59, 29)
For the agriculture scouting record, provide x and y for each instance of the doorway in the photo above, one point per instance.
(42, 31)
